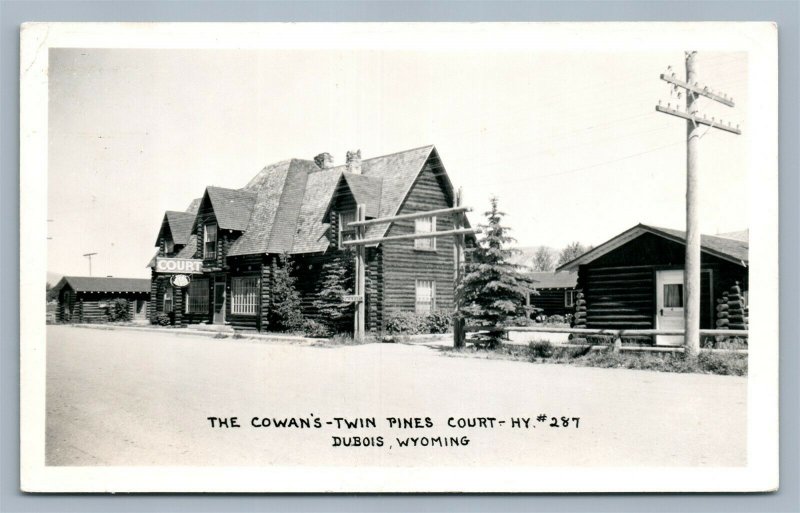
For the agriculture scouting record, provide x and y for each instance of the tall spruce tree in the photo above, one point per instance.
(493, 291)
(337, 281)
(286, 313)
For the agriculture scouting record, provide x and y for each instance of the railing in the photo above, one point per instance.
(618, 334)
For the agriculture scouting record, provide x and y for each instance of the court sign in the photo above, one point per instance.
(179, 265)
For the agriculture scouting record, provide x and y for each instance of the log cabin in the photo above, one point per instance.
(302, 208)
(635, 280)
(555, 292)
(86, 299)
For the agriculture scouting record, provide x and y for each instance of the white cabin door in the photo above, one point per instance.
(669, 306)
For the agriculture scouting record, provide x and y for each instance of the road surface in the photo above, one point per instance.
(117, 397)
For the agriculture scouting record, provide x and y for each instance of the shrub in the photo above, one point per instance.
(286, 313)
(220, 335)
(409, 323)
(540, 349)
(163, 319)
(314, 329)
(119, 310)
(439, 321)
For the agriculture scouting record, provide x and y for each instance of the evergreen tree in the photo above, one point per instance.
(337, 281)
(286, 313)
(493, 291)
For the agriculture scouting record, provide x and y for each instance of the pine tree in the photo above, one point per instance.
(337, 281)
(286, 313)
(493, 291)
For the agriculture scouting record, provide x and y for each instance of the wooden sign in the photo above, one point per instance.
(353, 298)
(179, 265)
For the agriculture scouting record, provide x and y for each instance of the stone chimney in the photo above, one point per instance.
(324, 160)
(354, 162)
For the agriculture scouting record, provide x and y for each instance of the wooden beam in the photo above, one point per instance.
(415, 215)
(702, 121)
(612, 332)
(426, 235)
(702, 91)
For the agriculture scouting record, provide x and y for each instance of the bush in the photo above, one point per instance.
(411, 323)
(556, 319)
(286, 313)
(314, 329)
(729, 364)
(163, 319)
(439, 321)
(119, 310)
(540, 349)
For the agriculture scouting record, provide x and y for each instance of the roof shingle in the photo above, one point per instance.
(98, 284)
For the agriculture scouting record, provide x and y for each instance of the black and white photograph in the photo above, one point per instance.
(399, 257)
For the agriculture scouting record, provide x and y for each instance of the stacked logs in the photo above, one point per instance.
(722, 312)
(580, 311)
(737, 317)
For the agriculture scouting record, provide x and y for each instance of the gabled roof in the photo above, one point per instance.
(283, 208)
(732, 250)
(232, 207)
(98, 284)
(366, 190)
(554, 280)
(179, 225)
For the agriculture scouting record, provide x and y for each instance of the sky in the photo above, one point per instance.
(570, 144)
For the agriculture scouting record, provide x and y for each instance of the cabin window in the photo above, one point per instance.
(425, 225)
(198, 296)
(569, 298)
(169, 246)
(168, 304)
(673, 295)
(210, 241)
(345, 232)
(425, 296)
(244, 295)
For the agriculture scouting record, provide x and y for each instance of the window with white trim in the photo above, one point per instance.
(244, 295)
(210, 241)
(169, 246)
(569, 297)
(345, 232)
(425, 225)
(198, 296)
(425, 296)
(168, 300)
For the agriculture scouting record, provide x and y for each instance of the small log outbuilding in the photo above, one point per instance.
(635, 280)
(86, 299)
(555, 292)
(301, 208)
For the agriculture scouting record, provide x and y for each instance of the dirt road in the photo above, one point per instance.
(118, 397)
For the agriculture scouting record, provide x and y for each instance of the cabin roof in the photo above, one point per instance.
(293, 196)
(180, 225)
(554, 280)
(732, 250)
(232, 207)
(98, 284)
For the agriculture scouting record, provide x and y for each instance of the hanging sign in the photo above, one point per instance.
(180, 280)
(354, 298)
(179, 265)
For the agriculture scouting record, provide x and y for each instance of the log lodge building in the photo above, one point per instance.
(301, 208)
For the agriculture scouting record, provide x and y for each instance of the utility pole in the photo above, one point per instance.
(89, 256)
(691, 270)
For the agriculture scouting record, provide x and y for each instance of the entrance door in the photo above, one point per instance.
(219, 303)
(669, 305)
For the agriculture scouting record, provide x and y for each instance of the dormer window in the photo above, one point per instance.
(210, 242)
(346, 232)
